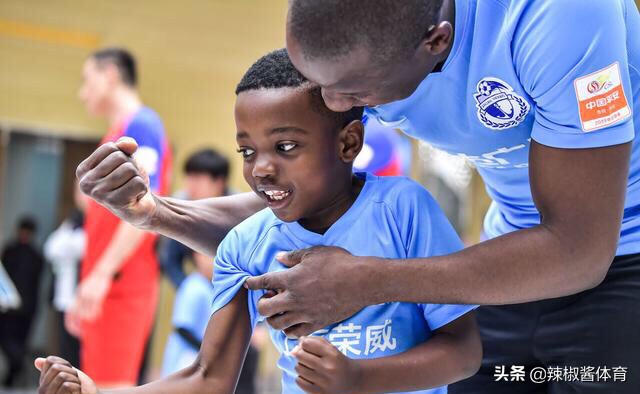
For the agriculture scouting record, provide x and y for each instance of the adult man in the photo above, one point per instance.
(115, 302)
(545, 109)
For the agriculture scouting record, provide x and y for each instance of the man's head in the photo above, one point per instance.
(27, 228)
(103, 73)
(206, 173)
(297, 153)
(368, 53)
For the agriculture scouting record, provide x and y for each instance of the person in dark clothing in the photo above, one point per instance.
(23, 263)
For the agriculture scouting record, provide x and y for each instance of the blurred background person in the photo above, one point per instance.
(23, 262)
(206, 173)
(64, 249)
(115, 303)
(385, 151)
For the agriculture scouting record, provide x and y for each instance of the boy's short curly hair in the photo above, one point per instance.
(275, 71)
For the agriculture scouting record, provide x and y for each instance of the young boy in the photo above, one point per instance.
(298, 157)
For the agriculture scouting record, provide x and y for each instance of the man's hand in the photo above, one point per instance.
(111, 177)
(324, 285)
(57, 376)
(72, 322)
(323, 369)
(90, 296)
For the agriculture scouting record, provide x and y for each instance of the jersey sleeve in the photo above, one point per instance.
(427, 232)
(571, 57)
(148, 133)
(230, 273)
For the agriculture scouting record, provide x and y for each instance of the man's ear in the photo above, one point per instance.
(350, 141)
(438, 38)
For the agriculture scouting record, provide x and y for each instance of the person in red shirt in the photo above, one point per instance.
(116, 299)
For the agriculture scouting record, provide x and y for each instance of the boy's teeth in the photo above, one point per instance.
(276, 194)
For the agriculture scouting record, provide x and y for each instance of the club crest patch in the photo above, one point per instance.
(499, 107)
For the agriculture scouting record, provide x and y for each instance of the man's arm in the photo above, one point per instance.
(580, 194)
(111, 177)
(452, 354)
(215, 371)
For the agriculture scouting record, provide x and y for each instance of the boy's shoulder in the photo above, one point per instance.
(247, 235)
(398, 192)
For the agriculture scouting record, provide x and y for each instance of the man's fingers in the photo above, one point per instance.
(52, 367)
(108, 165)
(273, 306)
(127, 144)
(95, 158)
(39, 363)
(316, 345)
(135, 187)
(283, 320)
(269, 281)
(293, 258)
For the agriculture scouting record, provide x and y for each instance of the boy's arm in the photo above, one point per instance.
(215, 371)
(452, 354)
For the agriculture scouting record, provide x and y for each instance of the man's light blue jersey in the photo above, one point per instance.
(565, 73)
(392, 218)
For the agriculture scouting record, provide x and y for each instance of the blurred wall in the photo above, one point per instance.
(191, 55)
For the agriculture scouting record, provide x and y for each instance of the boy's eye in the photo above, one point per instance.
(246, 152)
(286, 146)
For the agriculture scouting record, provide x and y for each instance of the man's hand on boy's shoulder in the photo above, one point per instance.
(324, 285)
(58, 376)
(111, 176)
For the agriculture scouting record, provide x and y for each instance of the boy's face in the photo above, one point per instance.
(294, 155)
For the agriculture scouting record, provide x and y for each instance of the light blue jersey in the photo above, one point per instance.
(191, 311)
(391, 218)
(565, 73)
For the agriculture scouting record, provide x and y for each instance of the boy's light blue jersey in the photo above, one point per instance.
(565, 73)
(191, 311)
(391, 218)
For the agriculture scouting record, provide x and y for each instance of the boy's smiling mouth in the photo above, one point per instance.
(276, 198)
(277, 195)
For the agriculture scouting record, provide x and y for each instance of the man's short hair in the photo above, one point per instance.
(123, 60)
(387, 28)
(207, 161)
(275, 70)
